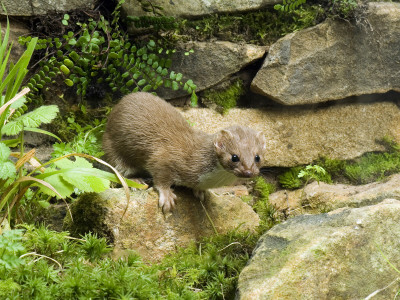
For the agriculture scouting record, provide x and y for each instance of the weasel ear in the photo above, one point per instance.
(261, 138)
(221, 138)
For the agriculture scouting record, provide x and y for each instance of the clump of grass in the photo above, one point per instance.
(54, 266)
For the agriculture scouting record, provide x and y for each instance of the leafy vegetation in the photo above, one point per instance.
(43, 264)
(368, 168)
(100, 53)
(56, 178)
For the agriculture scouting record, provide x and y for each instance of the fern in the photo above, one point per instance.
(101, 54)
(289, 5)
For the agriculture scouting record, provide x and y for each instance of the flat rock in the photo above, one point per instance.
(315, 198)
(335, 60)
(301, 135)
(42, 7)
(145, 229)
(336, 255)
(196, 8)
(210, 63)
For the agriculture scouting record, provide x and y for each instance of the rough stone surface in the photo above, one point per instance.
(336, 255)
(322, 197)
(16, 30)
(195, 8)
(335, 60)
(145, 229)
(300, 135)
(210, 63)
(42, 7)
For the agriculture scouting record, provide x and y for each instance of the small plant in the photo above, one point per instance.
(314, 172)
(11, 248)
(297, 177)
(289, 5)
(86, 139)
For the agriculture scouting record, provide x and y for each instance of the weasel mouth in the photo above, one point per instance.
(246, 174)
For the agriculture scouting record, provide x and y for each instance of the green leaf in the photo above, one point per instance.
(7, 170)
(4, 152)
(193, 99)
(68, 82)
(147, 88)
(68, 63)
(178, 77)
(17, 104)
(79, 174)
(43, 114)
(65, 69)
(130, 82)
(64, 188)
(175, 86)
(13, 127)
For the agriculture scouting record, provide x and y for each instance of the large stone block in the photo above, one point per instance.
(195, 8)
(42, 7)
(348, 253)
(299, 135)
(210, 63)
(335, 60)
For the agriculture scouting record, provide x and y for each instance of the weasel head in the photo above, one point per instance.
(240, 150)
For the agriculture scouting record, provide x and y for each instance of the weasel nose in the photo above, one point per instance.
(247, 173)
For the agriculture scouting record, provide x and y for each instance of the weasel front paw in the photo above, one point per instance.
(167, 199)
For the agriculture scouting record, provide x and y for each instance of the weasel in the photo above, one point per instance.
(144, 133)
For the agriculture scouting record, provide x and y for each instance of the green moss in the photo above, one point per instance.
(224, 99)
(367, 168)
(260, 27)
(264, 209)
(82, 268)
(290, 178)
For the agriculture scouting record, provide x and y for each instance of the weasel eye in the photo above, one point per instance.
(257, 158)
(235, 158)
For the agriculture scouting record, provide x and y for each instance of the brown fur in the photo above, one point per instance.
(145, 133)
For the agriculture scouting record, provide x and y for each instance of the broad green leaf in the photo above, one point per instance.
(87, 183)
(64, 188)
(17, 104)
(79, 162)
(7, 170)
(76, 173)
(13, 127)
(43, 114)
(4, 152)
